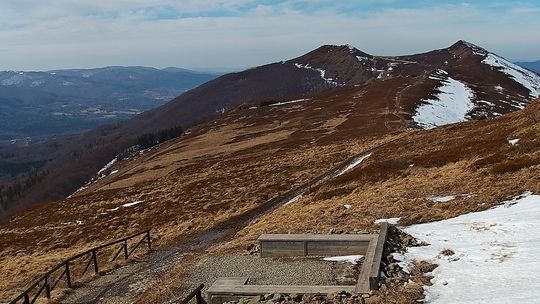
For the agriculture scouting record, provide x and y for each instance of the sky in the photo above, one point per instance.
(54, 34)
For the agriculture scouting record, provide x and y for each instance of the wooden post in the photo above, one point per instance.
(47, 288)
(200, 299)
(149, 241)
(94, 258)
(68, 275)
(125, 250)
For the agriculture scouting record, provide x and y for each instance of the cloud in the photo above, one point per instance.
(243, 33)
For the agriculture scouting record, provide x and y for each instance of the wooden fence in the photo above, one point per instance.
(197, 294)
(47, 283)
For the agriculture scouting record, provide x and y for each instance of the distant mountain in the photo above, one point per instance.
(34, 104)
(533, 66)
(458, 83)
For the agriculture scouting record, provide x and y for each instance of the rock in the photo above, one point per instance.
(254, 300)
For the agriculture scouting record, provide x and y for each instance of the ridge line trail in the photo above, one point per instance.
(126, 283)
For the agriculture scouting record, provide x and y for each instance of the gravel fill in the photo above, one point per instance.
(262, 271)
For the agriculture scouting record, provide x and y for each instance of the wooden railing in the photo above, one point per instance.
(47, 282)
(196, 293)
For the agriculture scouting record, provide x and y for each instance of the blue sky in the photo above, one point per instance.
(40, 35)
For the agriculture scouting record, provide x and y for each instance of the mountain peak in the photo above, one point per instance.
(465, 45)
(329, 52)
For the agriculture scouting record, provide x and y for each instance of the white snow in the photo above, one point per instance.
(513, 142)
(347, 206)
(499, 88)
(451, 105)
(355, 162)
(441, 199)
(496, 254)
(132, 204)
(114, 172)
(107, 166)
(321, 71)
(446, 198)
(526, 78)
(281, 103)
(476, 49)
(353, 259)
(392, 220)
(292, 200)
(361, 58)
(486, 102)
(127, 205)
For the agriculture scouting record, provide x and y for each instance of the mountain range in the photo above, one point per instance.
(454, 84)
(418, 138)
(533, 66)
(37, 105)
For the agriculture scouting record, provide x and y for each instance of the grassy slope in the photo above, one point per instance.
(472, 158)
(231, 165)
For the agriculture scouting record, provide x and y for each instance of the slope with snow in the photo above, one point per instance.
(526, 78)
(451, 105)
(496, 254)
(328, 80)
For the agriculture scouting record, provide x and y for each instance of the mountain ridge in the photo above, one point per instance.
(399, 85)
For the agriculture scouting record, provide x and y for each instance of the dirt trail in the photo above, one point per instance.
(127, 283)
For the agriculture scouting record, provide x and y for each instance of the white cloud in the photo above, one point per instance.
(93, 33)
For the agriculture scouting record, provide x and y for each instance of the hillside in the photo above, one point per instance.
(45, 104)
(454, 84)
(230, 166)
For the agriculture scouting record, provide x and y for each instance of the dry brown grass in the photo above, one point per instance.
(229, 166)
(222, 169)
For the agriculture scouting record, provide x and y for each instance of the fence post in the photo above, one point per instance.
(47, 288)
(200, 299)
(68, 275)
(148, 238)
(125, 250)
(94, 258)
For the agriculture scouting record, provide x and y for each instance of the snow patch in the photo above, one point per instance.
(321, 71)
(347, 206)
(355, 162)
(353, 259)
(475, 49)
(496, 254)
(281, 103)
(514, 142)
(441, 199)
(392, 220)
(451, 105)
(127, 205)
(526, 78)
(107, 166)
(292, 200)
